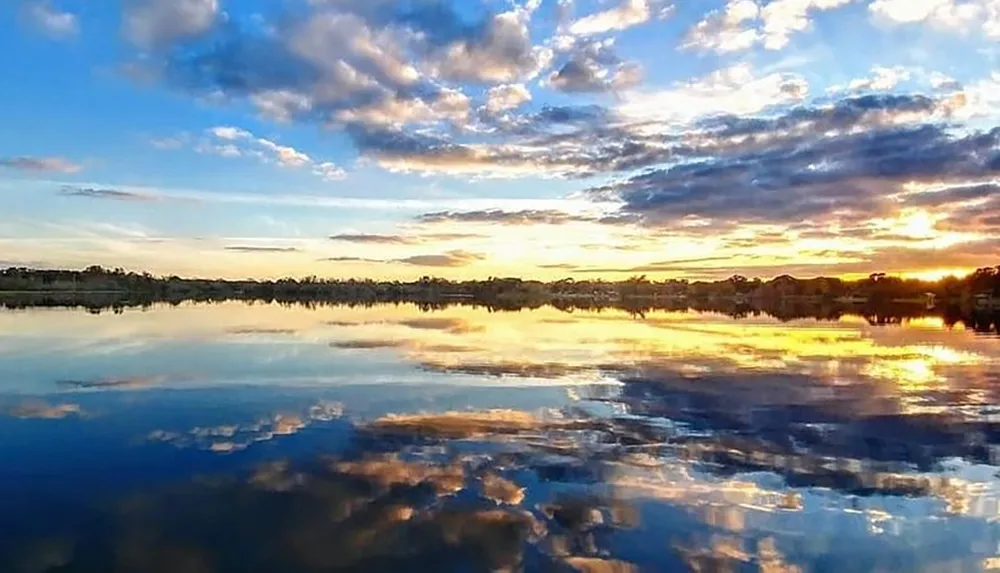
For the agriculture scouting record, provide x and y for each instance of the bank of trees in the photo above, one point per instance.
(878, 288)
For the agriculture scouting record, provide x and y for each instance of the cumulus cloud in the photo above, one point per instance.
(50, 164)
(627, 14)
(104, 193)
(156, 23)
(340, 63)
(956, 15)
(506, 97)
(594, 67)
(456, 258)
(50, 20)
(726, 30)
(501, 52)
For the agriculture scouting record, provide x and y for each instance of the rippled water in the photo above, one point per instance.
(233, 437)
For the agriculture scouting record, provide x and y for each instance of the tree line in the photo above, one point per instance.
(981, 285)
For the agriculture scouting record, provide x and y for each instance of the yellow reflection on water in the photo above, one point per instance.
(542, 344)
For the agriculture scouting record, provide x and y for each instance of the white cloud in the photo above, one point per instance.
(285, 156)
(506, 97)
(329, 171)
(448, 104)
(229, 141)
(230, 133)
(744, 24)
(949, 13)
(882, 79)
(782, 18)
(154, 23)
(942, 81)
(54, 22)
(629, 13)
(958, 15)
(736, 89)
(725, 30)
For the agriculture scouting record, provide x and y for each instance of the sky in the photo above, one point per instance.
(474, 138)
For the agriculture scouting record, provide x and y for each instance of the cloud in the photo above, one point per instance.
(376, 239)
(523, 217)
(228, 141)
(945, 14)
(882, 79)
(368, 344)
(501, 52)
(263, 249)
(626, 15)
(152, 24)
(113, 383)
(51, 164)
(456, 258)
(342, 63)
(373, 239)
(725, 31)
(50, 20)
(781, 171)
(593, 67)
(506, 97)
(351, 260)
(36, 409)
(102, 193)
(734, 89)
(743, 24)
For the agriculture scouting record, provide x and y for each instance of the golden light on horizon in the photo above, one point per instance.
(936, 274)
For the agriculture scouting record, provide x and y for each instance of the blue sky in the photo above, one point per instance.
(475, 138)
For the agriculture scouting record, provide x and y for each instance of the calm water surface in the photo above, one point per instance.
(234, 437)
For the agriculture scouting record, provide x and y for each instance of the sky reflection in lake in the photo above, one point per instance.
(480, 440)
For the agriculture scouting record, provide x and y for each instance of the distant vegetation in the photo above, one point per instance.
(784, 296)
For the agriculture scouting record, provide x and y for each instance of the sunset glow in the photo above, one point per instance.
(535, 138)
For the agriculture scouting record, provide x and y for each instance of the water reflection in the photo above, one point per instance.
(268, 438)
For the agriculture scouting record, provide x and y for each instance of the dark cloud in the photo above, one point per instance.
(367, 344)
(777, 174)
(594, 67)
(523, 217)
(377, 239)
(373, 239)
(251, 249)
(456, 258)
(51, 164)
(350, 260)
(113, 194)
(113, 383)
(563, 266)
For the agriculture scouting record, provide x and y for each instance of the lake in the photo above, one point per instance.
(261, 437)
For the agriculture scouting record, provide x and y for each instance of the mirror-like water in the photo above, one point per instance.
(235, 437)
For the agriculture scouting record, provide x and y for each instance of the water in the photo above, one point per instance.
(234, 437)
